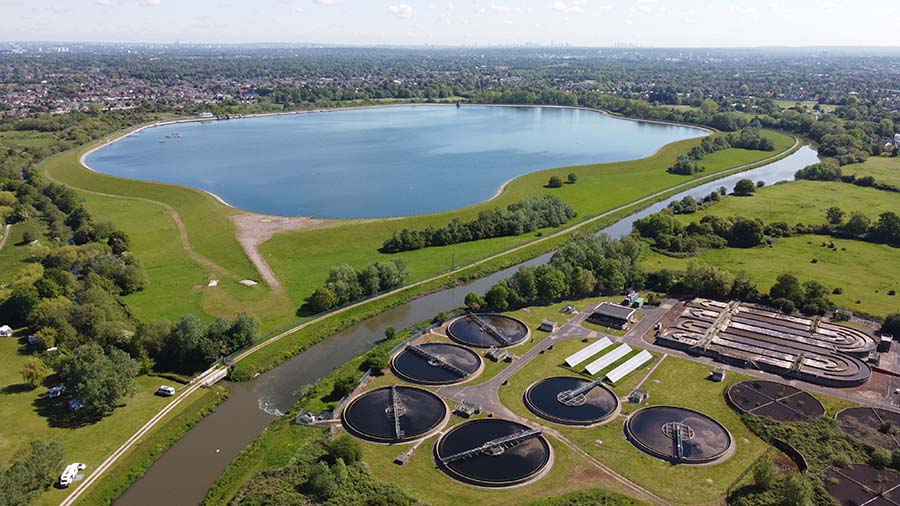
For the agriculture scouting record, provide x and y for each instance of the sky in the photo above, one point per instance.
(641, 23)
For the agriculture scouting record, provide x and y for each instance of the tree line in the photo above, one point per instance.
(346, 284)
(585, 265)
(830, 171)
(747, 138)
(516, 219)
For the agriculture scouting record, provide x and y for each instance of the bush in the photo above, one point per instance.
(572, 178)
(345, 448)
(744, 187)
(555, 182)
(786, 305)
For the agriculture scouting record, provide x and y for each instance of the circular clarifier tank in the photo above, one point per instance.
(394, 414)
(436, 363)
(491, 452)
(485, 330)
(571, 401)
(679, 435)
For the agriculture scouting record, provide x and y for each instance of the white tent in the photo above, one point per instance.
(5, 331)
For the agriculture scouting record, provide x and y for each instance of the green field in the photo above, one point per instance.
(857, 267)
(28, 415)
(25, 139)
(860, 270)
(883, 169)
(802, 202)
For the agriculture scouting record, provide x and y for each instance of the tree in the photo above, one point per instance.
(100, 380)
(322, 300)
(345, 384)
(345, 448)
(555, 182)
(746, 233)
(835, 215)
(744, 188)
(378, 359)
(35, 371)
(764, 473)
(572, 178)
(25, 480)
(46, 337)
(796, 490)
(474, 301)
(857, 225)
(787, 286)
(322, 482)
(118, 241)
(891, 325)
(497, 297)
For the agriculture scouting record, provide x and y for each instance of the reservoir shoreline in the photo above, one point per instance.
(83, 158)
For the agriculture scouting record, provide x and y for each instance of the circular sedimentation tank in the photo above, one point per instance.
(436, 363)
(679, 435)
(571, 401)
(394, 414)
(491, 452)
(486, 330)
(774, 400)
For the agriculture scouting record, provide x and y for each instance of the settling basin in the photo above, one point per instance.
(207, 449)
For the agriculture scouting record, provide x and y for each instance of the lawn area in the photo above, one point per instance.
(802, 202)
(15, 254)
(859, 270)
(421, 478)
(675, 382)
(883, 169)
(28, 415)
(177, 281)
(806, 104)
(25, 139)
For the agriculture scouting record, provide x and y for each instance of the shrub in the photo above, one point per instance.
(572, 178)
(555, 182)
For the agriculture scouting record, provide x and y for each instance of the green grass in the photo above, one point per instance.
(421, 478)
(676, 382)
(25, 139)
(21, 411)
(806, 104)
(883, 169)
(14, 264)
(177, 282)
(802, 202)
(857, 267)
(860, 271)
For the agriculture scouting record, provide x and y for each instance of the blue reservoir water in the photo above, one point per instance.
(379, 162)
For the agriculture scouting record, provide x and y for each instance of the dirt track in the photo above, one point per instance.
(255, 229)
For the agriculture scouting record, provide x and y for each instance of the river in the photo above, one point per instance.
(184, 474)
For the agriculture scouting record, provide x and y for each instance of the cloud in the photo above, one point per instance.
(505, 8)
(150, 2)
(573, 6)
(105, 3)
(327, 2)
(402, 10)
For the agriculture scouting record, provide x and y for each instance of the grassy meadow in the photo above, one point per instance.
(858, 268)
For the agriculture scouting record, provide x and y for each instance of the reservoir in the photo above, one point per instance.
(377, 162)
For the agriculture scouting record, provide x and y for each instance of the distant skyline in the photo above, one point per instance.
(647, 23)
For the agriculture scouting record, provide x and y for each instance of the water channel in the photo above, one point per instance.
(184, 474)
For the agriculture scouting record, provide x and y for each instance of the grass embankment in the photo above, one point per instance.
(28, 415)
(859, 269)
(140, 457)
(675, 382)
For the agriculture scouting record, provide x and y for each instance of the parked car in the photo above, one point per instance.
(75, 405)
(56, 391)
(165, 391)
